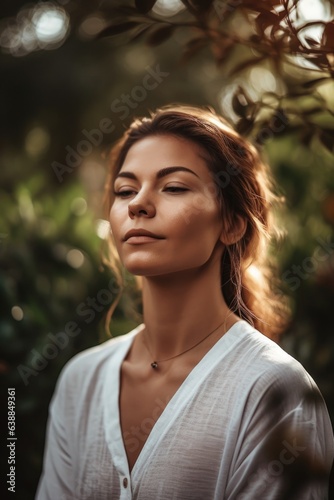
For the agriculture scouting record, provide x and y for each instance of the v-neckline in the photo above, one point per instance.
(112, 407)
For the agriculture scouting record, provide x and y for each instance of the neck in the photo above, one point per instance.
(181, 309)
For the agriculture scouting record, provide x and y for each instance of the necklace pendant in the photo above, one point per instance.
(154, 364)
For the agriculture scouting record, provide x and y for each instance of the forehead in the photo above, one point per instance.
(152, 153)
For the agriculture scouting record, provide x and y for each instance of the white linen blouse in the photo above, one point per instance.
(235, 429)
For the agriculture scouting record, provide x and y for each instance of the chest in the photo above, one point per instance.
(141, 403)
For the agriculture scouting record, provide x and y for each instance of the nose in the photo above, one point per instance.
(141, 206)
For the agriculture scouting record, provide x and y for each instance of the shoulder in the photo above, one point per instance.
(90, 363)
(267, 366)
(274, 388)
(279, 415)
(263, 351)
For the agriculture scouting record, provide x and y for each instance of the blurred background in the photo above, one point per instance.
(73, 76)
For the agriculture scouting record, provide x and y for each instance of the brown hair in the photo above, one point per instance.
(244, 188)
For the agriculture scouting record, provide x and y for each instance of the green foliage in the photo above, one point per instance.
(306, 257)
(275, 38)
(51, 304)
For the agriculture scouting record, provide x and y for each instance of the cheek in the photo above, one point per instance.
(194, 233)
(200, 217)
(115, 219)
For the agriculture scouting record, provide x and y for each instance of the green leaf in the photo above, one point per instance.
(144, 6)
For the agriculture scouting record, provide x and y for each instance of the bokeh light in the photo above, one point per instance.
(168, 7)
(50, 23)
(308, 11)
(37, 141)
(91, 26)
(102, 228)
(75, 258)
(79, 206)
(17, 313)
(44, 26)
(262, 80)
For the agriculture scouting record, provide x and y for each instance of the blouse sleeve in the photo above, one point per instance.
(57, 479)
(286, 447)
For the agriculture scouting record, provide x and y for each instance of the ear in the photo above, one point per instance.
(235, 232)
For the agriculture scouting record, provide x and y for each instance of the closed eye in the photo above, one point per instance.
(175, 189)
(124, 194)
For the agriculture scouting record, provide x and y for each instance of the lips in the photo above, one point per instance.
(142, 232)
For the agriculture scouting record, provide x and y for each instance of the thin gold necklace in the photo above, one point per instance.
(154, 364)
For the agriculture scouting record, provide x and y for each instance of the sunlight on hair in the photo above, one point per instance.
(254, 272)
(247, 278)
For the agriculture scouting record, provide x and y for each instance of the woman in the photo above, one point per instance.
(195, 403)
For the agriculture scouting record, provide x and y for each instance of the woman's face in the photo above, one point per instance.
(165, 188)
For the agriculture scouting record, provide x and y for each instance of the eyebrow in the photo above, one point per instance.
(160, 174)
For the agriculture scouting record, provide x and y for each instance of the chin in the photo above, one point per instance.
(146, 266)
(145, 271)
(159, 270)
(143, 268)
